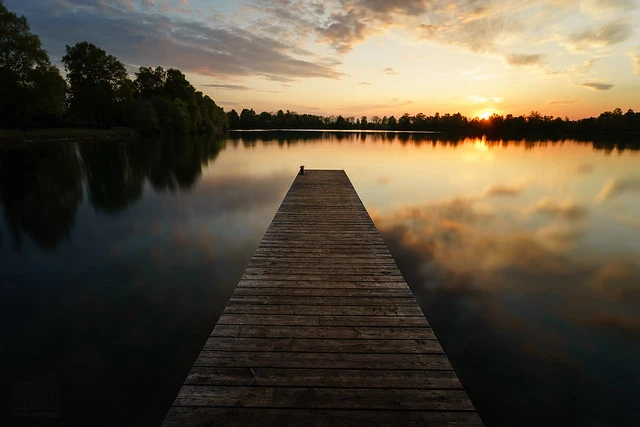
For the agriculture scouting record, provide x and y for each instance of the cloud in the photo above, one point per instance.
(286, 40)
(477, 99)
(578, 70)
(405, 7)
(504, 190)
(143, 38)
(615, 187)
(389, 71)
(364, 83)
(635, 61)
(229, 87)
(597, 85)
(344, 30)
(601, 37)
(472, 24)
(519, 60)
(476, 34)
(568, 210)
(599, 8)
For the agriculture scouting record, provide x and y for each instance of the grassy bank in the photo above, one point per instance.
(16, 137)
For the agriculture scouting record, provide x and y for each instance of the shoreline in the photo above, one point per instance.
(9, 137)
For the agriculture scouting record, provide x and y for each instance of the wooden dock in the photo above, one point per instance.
(322, 330)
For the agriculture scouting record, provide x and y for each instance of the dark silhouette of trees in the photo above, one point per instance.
(405, 122)
(100, 90)
(249, 120)
(234, 119)
(165, 100)
(100, 93)
(31, 89)
(533, 125)
(150, 82)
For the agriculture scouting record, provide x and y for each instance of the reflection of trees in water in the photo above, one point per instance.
(177, 163)
(606, 142)
(40, 193)
(114, 174)
(41, 187)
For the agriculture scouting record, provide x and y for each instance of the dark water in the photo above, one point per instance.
(117, 258)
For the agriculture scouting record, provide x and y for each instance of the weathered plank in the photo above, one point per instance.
(315, 320)
(322, 330)
(274, 359)
(322, 292)
(325, 345)
(233, 416)
(324, 398)
(327, 277)
(320, 301)
(339, 332)
(319, 310)
(350, 378)
(314, 284)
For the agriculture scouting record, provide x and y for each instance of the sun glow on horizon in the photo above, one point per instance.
(485, 114)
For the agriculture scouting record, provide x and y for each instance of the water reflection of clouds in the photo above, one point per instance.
(583, 169)
(220, 217)
(457, 244)
(505, 190)
(616, 187)
(568, 210)
(516, 298)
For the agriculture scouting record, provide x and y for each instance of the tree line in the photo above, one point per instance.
(533, 123)
(97, 92)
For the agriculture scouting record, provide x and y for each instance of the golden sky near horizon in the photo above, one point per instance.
(371, 57)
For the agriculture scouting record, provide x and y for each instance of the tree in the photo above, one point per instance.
(248, 119)
(150, 82)
(392, 124)
(180, 116)
(363, 122)
(30, 87)
(234, 119)
(100, 87)
(404, 123)
(145, 118)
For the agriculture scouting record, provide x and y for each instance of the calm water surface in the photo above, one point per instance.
(117, 258)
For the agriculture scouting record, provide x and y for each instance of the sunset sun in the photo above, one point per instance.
(485, 114)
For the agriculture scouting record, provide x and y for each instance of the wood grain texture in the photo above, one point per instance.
(322, 330)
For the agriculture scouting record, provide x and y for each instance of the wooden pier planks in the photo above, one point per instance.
(322, 330)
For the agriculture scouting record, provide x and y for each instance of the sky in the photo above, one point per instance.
(370, 57)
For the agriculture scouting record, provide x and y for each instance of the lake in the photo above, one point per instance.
(117, 258)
